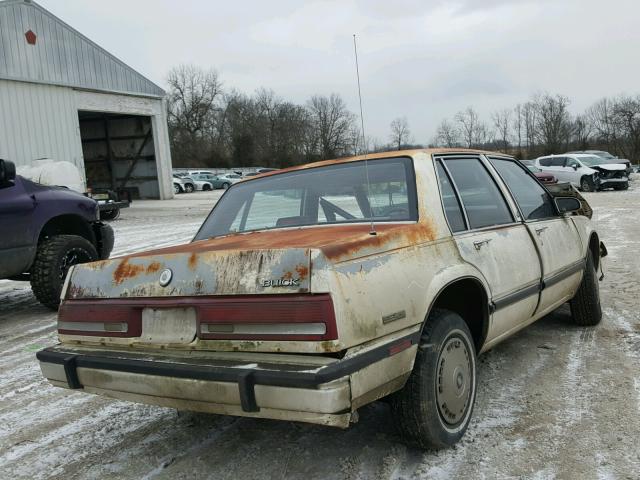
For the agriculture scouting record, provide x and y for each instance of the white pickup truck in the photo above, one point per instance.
(312, 291)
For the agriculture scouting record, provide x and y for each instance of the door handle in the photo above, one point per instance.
(478, 244)
(540, 230)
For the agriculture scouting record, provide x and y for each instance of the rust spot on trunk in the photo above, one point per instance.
(153, 267)
(303, 271)
(126, 270)
(287, 276)
(193, 261)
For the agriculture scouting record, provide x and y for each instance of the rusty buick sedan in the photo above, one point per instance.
(312, 291)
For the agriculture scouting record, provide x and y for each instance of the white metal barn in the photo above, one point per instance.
(63, 97)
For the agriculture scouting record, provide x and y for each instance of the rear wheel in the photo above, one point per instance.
(188, 187)
(587, 184)
(54, 257)
(585, 305)
(176, 188)
(434, 408)
(225, 186)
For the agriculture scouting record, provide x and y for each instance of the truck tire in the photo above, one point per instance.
(434, 408)
(54, 257)
(585, 305)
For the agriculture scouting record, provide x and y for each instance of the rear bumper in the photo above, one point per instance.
(303, 391)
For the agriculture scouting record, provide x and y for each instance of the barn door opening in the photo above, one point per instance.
(119, 154)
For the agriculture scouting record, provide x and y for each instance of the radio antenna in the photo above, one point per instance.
(364, 141)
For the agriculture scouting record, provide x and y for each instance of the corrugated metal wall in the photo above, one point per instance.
(61, 55)
(38, 121)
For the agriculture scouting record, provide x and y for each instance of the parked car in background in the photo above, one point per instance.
(586, 172)
(311, 292)
(45, 231)
(225, 181)
(608, 158)
(544, 177)
(202, 181)
(182, 185)
(199, 172)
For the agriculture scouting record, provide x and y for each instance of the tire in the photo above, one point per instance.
(225, 186)
(420, 409)
(176, 189)
(54, 257)
(110, 214)
(206, 188)
(587, 185)
(188, 188)
(585, 305)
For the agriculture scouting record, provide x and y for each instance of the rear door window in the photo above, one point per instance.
(482, 200)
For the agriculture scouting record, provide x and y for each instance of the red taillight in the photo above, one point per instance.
(99, 319)
(251, 317)
(300, 317)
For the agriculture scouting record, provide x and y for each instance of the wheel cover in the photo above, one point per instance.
(454, 380)
(72, 257)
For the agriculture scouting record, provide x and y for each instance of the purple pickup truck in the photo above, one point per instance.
(44, 230)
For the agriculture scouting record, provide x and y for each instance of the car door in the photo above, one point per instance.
(573, 171)
(16, 237)
(489, 237)
(555, 236)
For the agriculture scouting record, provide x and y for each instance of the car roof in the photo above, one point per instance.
(382, 155)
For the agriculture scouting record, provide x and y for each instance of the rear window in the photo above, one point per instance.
(318, 196)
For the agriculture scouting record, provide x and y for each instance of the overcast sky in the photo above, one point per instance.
(421, 59)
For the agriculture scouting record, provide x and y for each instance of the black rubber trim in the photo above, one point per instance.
(516, 296)
(246, 378)
(567, 272)
(523, 293)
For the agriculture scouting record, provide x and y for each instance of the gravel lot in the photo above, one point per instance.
(554, 401)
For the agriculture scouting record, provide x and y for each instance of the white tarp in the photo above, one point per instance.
(52, 172)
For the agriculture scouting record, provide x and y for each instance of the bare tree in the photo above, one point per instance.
(554, 125)
(193, 99)
(400, 132)
(502, 123)
(518, 127)
(582, 130)
(333, 122)
(530, 118)
(447, 135)
(467, 124)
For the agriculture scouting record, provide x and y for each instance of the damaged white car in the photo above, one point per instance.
(312, 291)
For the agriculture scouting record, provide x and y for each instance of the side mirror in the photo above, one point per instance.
(7, 171)
(575, 167)
(568, 204)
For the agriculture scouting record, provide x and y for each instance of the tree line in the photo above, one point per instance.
(213, 126)
(544, 125)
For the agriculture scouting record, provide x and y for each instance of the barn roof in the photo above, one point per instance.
(36, 46)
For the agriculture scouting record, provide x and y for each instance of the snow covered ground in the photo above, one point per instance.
(555, 401)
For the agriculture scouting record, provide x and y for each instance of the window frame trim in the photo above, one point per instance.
(515, 214)
(456, 194)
